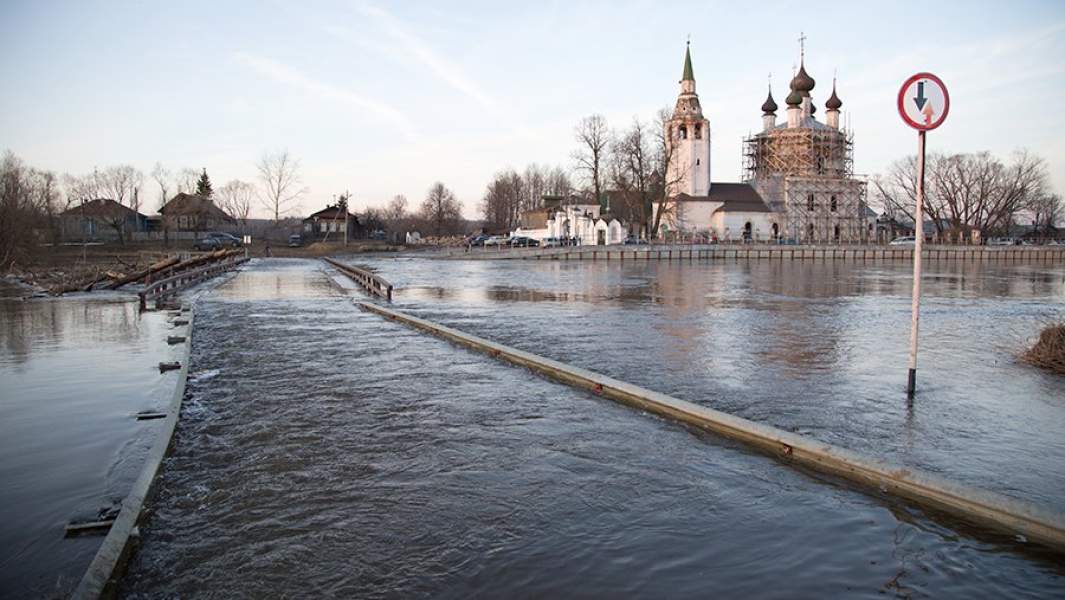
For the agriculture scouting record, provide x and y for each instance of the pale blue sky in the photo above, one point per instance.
(385, 98)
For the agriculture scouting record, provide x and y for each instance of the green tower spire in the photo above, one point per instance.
(688, 75)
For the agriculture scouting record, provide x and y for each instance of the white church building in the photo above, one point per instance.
(699, 206)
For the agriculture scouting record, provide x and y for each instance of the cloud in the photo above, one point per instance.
(286, 75)
(440, 66)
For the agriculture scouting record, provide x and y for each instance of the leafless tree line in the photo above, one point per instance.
(972, 191)
(510, 193)
(625, 170)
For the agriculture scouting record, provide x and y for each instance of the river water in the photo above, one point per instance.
(324, 451)
(73, 372)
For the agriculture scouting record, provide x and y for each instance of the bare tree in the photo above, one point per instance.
(661, 182)
(593, 135)
(186, 180)
(440, 210)
(122, 184)
(632, 170)
(16, 211)
(280, 175)
(963, 191)
(162, 177)
(1047, 211)
(396, 209)
(558, 182)
(236, 198)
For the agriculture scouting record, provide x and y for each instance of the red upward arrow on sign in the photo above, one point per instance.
(928, 113)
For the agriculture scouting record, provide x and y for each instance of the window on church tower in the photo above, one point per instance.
(698, 131)
(832, 204)
(683, 131)
(809, 202)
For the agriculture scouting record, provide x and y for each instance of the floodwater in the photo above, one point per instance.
(326, 452)
(73, 372)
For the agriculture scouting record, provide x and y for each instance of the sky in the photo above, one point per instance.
(385, 98)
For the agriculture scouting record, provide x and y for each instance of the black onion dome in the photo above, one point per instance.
(769, 106)
(793, 99)
(833, 101)
(802, 82)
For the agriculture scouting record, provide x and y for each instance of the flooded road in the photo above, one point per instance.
(324, 451)
(73, 372)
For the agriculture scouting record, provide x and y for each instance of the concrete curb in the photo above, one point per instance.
(990, 509)
(110, 560)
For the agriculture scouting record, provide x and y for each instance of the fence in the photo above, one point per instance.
(371, 282)
(171, 285)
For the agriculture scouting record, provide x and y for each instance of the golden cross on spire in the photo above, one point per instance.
(802, 45)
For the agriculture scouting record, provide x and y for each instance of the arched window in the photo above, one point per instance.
(698, 131)
(683, 132)
(809, 202)
(832, 204)
(835, 234)
(775, 230)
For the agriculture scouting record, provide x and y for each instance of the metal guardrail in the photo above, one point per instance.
(370, 281)
(175, 283)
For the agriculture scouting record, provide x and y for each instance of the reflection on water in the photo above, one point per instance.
(72, 372)
(333, 453)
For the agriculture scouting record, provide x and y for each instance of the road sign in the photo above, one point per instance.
(924, 102)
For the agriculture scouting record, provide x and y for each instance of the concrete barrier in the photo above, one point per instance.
(110, 560)
(999, 512)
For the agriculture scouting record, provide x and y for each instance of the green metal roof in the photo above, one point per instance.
(688, 75)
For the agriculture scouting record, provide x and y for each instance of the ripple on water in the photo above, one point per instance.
(367, 460)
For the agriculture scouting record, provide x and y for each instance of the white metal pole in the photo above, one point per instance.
(917, 244)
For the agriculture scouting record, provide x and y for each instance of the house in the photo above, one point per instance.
(192, 213)
(572, 219)
(100, 219)
(328, 224)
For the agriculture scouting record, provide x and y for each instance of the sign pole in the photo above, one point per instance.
(923, 103)
(918, 219)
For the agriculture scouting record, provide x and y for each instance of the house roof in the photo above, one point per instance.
(331, 213)
(740, 197)
(193, 204)
(102, 207)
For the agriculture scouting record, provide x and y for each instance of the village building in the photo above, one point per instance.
(192, 213)
(101, 219)
(329, 224)
(699, 208)
(572, 218)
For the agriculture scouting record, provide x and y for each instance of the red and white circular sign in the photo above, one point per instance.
(924, 102)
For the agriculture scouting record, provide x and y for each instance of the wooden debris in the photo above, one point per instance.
(175, 339)
(149, 415)
(169, 366)
(155, 268)
(89, 528)
(180, 322)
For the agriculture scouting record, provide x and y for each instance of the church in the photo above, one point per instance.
(798, 185)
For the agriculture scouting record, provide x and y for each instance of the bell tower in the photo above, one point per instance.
(688, 138)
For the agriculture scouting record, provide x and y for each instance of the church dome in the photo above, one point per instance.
(793, 99)
(769, 106)
(802, 82)
(833, 101)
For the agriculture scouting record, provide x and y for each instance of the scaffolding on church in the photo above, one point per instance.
(799, 152)
(806, 175)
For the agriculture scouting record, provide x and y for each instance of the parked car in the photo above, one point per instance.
(634, 241)
(295, 240)
(496, 240)
(1002, 241)
(550, 242)
(216, 240)
(523, 242)
(477, 240)
(907, 240)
